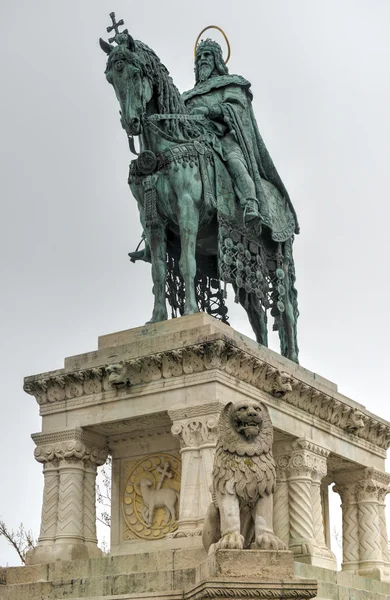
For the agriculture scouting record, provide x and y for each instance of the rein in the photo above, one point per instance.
(149, 122)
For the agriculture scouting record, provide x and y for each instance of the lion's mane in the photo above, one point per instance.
(244, 467)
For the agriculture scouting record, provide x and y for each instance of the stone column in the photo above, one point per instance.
(325, 508)
(90, 501)
(50, 503)
(68, 527)
(349, 509)
(365, 542)
(304, 466)
(383, 527)
(281, 517)
(198, 438)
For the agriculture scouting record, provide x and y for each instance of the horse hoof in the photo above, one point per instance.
(157, 319)
(190, 311)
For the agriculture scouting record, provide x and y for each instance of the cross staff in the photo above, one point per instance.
(164, 473)
(115, 25)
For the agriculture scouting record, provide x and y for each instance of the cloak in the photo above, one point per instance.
(232, 96)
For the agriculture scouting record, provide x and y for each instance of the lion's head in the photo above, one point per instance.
(245, 428)
(118, 375)
(246, 418)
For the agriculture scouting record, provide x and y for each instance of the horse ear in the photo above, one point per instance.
(130, 43)
(105, 46)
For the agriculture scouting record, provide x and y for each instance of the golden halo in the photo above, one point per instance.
(224, 35)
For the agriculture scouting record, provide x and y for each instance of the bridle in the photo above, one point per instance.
(150, 123)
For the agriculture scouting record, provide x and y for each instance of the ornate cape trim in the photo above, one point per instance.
(218, 81)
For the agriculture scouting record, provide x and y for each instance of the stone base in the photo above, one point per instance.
(50, 553)
(177, 575)
(250, 574)
(256, 564)
(379, 573)
(318, 557)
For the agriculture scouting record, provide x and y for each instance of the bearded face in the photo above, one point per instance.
(247, 419)
(205, 64)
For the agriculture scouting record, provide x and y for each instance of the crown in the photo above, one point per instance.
(208, 44)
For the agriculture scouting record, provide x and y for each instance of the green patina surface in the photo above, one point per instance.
(213, 207)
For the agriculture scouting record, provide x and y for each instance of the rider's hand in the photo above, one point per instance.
(200, 110)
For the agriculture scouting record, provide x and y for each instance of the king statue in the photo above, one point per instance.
(213, 208)
(226, 101)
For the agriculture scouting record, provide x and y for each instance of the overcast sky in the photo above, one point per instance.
(320, 78)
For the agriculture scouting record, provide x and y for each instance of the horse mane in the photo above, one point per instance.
(169, 100)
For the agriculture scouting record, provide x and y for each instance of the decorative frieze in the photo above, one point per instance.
(120, 377)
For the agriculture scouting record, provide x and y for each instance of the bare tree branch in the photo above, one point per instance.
(21, 540)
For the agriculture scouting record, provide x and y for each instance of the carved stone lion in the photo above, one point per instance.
(118, 375)
(278, 383)
(243, 481)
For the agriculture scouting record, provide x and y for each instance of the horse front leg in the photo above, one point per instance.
(157, 241)
(188, 218)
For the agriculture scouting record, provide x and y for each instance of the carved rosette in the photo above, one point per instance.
(123, 377)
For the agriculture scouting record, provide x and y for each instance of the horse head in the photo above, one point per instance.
(125, 71)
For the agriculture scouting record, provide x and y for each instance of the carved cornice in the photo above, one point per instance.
(219, 354)
(70, 444)
(249, 589)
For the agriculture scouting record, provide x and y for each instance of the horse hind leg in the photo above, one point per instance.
(256, 315)
(188, 223)
(288, 319)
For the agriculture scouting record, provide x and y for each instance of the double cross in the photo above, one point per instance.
(164, 473)
(115, 25)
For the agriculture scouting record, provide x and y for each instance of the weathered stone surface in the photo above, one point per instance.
(164, 400)
(264, 565)
(179, 573)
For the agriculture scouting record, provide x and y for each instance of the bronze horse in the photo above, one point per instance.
(173, 181)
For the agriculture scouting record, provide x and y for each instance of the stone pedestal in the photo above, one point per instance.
(151, 397)
(250, 574)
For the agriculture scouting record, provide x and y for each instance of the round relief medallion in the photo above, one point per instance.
(151, 497)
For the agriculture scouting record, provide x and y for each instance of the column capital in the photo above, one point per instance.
(196, 426)
(301, 457)
(196, 432)
(357, 481)
(69, 444)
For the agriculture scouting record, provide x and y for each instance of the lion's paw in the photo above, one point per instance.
(268, 541)
(231, 541)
